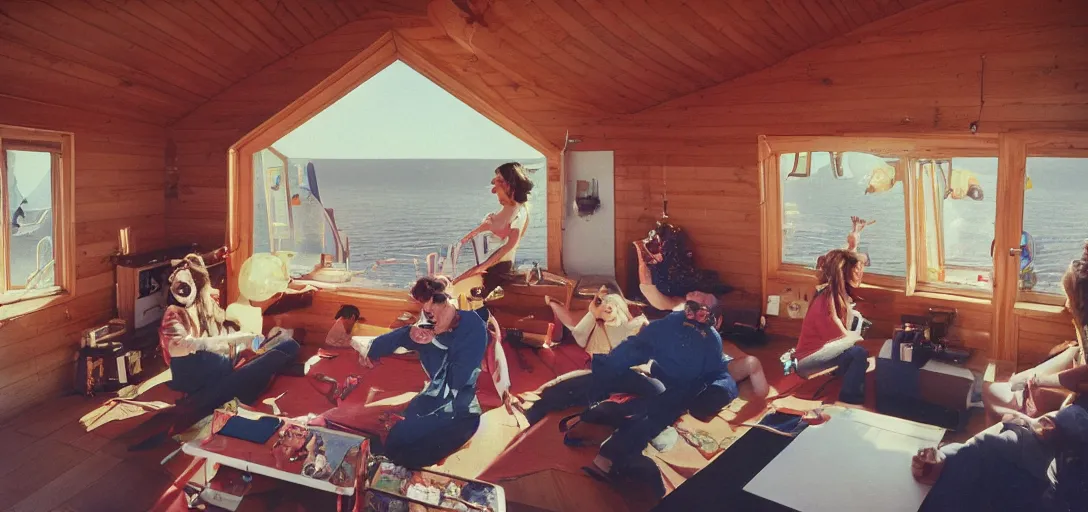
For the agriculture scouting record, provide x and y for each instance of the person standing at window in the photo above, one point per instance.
(512, 187)
(825, 340)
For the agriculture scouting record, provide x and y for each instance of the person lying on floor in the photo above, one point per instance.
(742, 368)
(1013, 396)
(446, 413)
(825, 342)
(688, 370)
(1022, 464)
(607, 323)
(204, 356)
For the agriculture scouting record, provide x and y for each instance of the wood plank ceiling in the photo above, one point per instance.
(156, 60)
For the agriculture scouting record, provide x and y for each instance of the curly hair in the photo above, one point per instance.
(513, 174)
(427, 287)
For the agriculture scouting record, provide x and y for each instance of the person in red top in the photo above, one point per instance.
(825, 341)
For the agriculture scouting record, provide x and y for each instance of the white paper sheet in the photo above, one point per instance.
(856, 461)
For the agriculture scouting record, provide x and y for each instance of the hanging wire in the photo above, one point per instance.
(981, 93)
(665, 191)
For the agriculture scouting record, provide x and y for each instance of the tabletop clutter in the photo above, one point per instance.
(328, 460)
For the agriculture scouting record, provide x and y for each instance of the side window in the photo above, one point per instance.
(821, 191)
(959, 209)
(1055, 210)
(31, 258)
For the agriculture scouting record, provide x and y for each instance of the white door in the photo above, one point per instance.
(589, 241)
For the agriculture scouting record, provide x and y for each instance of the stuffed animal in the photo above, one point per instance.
(607, 323)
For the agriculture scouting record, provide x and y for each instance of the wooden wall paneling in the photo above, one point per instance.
(856, 85)
(36, 348)
(204, 137)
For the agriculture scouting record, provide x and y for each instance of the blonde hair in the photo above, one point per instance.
(1075, 284)
(617, 301)
(835, 272)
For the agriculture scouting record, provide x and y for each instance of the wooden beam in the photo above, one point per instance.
(1009, 221)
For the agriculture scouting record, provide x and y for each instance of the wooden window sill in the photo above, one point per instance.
(1036, 309)
(346, 290)
(29, 305)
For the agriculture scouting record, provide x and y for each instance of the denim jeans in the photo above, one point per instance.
(248, 382)
(852, 362)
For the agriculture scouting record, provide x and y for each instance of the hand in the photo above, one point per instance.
(245, 338)
(858, 223)
(1020, 384)
(365, 362)
(420, 335)
(926, 465)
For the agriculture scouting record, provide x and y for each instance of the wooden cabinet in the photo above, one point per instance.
(142, 287)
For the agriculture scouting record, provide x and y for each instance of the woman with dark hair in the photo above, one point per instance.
(825, 340)
(1039, 390)
(508, 225)
(451, 345)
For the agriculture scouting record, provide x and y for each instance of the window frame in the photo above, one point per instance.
(1059, 145)
(909, 150)
(60, 146)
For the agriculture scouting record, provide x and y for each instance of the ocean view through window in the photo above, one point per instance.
(937, 203)
(818, 203)
(379, 188)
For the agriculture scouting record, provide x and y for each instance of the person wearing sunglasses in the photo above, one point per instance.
(686, 364)
(742, 368)
(451, 345)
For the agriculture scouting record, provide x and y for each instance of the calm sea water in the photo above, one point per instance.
(399, 208)
(409, 208)
(1055, 214)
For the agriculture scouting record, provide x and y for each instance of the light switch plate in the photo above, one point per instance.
(773, 304)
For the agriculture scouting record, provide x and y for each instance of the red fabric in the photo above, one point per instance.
(817, 328)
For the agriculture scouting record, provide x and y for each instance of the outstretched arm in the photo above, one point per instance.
(562, 312)
(649, 290)
(179, 341)
(854, 238)
(484, 226)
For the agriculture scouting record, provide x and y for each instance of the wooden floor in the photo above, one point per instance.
(48, 463)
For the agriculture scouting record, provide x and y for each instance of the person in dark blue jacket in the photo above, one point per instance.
(451, 345)
(688, 370)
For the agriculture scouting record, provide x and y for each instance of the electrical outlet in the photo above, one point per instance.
(774, 302)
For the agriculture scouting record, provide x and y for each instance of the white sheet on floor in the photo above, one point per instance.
(856, 461)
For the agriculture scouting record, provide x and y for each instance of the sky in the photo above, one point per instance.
(399, 113)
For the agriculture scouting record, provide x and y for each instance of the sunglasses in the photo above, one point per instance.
(437, 298)
(700, 313)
